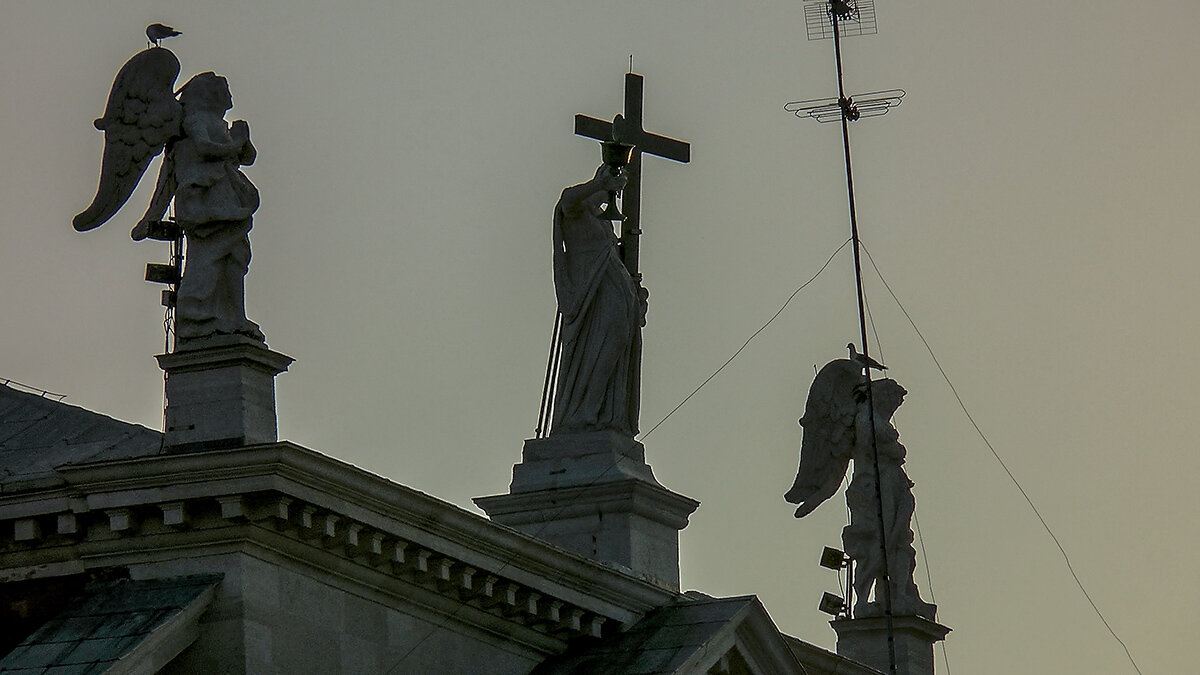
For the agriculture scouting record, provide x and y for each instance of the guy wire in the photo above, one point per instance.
(1013, 478)
(462, 605)
(748, 340)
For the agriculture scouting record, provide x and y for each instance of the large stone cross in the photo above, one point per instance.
(628, 129)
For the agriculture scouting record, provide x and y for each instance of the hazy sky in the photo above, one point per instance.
(1031, 203)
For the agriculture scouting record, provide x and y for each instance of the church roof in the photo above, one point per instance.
(698, 634)
(70, 478)
(661, 643)
(38, 434)
(136, 623)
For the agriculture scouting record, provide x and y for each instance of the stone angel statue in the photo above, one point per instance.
(214, 201)
(837, 430)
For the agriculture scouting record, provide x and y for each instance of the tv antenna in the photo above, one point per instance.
(835, 19)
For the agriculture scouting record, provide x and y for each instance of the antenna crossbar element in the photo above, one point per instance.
(870, 104)
(858, 18)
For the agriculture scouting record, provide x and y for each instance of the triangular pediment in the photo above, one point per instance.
(697, 636)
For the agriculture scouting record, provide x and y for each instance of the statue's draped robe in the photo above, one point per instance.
(861, 537)
(214, 202)
(601, 322)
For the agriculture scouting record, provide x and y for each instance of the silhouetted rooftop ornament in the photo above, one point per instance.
(837, 430)
(623, 142)
(213, 201)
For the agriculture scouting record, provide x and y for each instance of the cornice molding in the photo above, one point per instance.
(284, 497)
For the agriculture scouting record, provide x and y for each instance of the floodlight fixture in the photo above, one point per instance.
(162, 230)
(834, 559)
(832, 605)
(159, 273)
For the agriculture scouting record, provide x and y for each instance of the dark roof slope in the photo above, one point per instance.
(660, 643)
(700, 634)
(106, 624)
(38, 434)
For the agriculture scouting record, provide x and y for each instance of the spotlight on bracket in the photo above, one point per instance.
(832, 605)
(159, 273)
(162, 230)
(832, 558)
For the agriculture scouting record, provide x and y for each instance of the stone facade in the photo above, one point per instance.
(320, 567)
(594, 494)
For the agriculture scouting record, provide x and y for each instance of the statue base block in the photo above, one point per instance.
(593, 494)
(570, 460)
(866, 640)
(220, 393)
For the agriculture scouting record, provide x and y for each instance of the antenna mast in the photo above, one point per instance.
(831, 19)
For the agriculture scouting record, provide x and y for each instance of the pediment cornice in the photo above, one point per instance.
(310, 507)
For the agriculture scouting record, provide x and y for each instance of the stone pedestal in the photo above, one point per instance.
(593, 494)
(866, 641)
(220, 393)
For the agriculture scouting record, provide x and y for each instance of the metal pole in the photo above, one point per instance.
(835, 7)
(547, 407)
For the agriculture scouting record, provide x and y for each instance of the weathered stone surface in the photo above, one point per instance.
(221, 393)
(401, 582)
(865, 640)
(572, 460)
(593, 493)
(630, 523)
(243, 513)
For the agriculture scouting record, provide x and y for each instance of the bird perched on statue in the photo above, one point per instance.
(864, 360)
(157, 31)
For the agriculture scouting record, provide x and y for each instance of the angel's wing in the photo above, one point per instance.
(141, 117)
(828, 435)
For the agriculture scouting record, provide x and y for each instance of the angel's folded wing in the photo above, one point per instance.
(828, 436)
(142, 115)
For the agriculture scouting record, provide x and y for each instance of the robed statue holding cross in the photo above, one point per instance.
(602, 311)
(595, 368)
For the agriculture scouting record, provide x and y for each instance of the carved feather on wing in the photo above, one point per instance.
(141, 117)
(828, 440)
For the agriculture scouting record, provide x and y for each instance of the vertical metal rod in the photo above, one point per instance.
(177, 260)
(834, 7)
(850, 588)
(543, 425)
